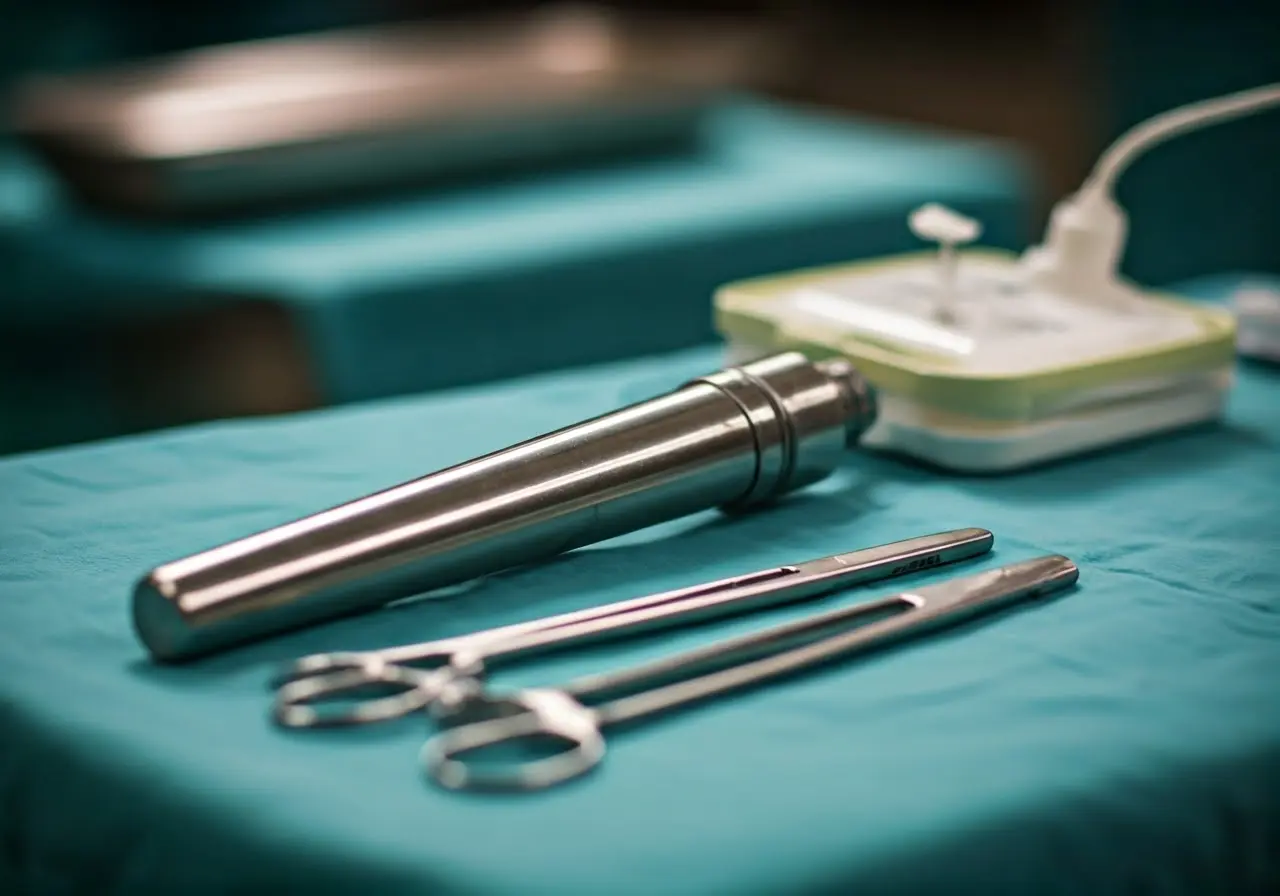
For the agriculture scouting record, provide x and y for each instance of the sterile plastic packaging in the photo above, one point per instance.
(988, 361)
(1008, 375)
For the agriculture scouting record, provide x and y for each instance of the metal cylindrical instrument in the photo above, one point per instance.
(734, 439)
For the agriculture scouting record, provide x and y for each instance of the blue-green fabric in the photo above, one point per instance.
(508, 277)
(1122, 738)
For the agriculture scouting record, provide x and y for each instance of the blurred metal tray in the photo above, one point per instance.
(317, 116)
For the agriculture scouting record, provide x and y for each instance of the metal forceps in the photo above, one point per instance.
(422, 674)
(565, 714)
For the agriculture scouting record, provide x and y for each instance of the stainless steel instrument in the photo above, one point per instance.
(562, 714)
(735, 439)
(305, 699)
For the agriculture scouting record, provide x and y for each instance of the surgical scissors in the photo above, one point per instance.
(424, 672)
(564, 715)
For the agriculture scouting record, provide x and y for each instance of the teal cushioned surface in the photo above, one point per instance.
(1121, 738)
(516, 276)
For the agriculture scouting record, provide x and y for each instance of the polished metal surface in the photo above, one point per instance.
(564, 715)
(735, 439)
(461, 663)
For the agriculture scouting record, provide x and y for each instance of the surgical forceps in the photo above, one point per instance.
(424, 672)
(564, 715)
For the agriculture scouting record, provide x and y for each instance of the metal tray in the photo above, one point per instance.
(319, 115)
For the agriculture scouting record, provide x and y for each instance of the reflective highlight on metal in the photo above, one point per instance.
(735, 439)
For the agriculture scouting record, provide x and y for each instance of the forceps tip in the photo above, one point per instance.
(969, 538)
(974, 537)
(1062, 569)
(1057, 565)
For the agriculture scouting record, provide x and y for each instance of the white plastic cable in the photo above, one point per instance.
(1173, 123)
(1081, 251)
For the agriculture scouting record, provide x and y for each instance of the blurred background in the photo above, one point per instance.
(371, 198)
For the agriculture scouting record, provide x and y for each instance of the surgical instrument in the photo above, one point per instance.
(735, 439)
(423, 672)
(565, 715)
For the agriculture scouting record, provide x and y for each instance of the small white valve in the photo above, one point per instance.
(949, 229)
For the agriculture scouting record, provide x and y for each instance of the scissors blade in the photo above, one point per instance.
(792, 582)
(324, 677)
(745, 594)
(769, 656)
